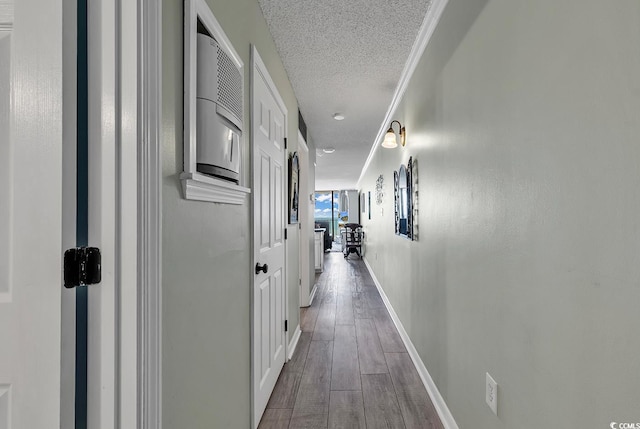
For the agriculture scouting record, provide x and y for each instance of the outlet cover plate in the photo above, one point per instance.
(491, 394)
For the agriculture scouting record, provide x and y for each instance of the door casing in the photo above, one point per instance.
(305, 213)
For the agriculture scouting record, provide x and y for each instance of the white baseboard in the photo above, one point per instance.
(294, 342)
(438, 401)
(312, 294)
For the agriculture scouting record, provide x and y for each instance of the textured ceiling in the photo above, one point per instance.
(343, 56)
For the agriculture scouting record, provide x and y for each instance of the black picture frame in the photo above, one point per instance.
(294, 187)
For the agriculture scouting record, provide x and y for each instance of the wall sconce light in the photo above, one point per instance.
(391, 138)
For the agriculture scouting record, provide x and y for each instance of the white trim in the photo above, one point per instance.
(69, 203)
(438, 401)
(103, 129)
(304, 215)
(112, 350)
(427, 28)
(150, 217)
(302, 142)
(263, 70)
(313, 294)
(127, 177)
(200, 187)
(293, 343)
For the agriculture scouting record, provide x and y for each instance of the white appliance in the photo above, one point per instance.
(219, 111)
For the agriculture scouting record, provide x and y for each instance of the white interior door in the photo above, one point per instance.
(269, 184)
(30, 212)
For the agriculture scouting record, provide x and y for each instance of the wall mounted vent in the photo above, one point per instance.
(219, 111)
(213, 110)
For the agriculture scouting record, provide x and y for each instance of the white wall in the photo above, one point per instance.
(523, 117)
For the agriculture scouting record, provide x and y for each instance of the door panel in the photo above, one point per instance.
(264, 225)
(4, 405)
(5, 163)
(265, 315)
(278, 215)
(30, 213)
(269, 173)
(278, 311)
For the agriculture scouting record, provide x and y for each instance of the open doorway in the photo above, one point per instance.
(333, 209)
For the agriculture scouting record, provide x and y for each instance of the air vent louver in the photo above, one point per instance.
(229, 85)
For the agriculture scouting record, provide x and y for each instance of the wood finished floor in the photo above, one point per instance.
(350, 368)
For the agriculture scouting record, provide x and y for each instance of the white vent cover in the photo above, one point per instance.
(229, 85)
(219, 80)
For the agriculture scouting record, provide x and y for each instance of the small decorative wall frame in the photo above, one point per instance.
(403, 184)
(380, 190)
(294, 187)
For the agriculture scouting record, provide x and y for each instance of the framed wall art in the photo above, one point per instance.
(403, 183)
(294, 187)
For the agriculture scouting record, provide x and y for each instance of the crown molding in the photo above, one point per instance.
(427, 29)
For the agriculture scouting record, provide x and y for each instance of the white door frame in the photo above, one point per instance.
(124, 344)
(258, 66)
(303, 206)
(150, 216)
(112, 305)
(69, 202)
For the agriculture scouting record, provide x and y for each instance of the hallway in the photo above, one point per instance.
(350, 368)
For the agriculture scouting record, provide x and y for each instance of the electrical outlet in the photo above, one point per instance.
(491, 394)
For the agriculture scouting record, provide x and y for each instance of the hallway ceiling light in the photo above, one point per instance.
(338, 116)
(391, 137)
(329, 149)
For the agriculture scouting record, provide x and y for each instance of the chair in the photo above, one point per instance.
(352, 238)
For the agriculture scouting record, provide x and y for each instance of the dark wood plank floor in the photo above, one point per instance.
(350, 368)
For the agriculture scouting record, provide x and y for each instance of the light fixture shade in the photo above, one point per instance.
(390, 140)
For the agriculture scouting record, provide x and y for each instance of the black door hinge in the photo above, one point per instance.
(286, 326)
(285, 233)
(285, 142)
(82, 266)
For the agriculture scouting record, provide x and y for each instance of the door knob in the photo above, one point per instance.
(264, 268)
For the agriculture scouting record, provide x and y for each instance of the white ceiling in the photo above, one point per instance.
(344, 56)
